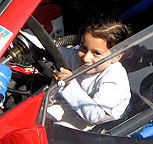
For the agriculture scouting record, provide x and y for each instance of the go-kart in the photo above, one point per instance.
(26, 122)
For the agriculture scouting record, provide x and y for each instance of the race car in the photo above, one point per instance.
(26, 122)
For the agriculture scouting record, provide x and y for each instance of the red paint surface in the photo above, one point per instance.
(22, 116)
(15, 16)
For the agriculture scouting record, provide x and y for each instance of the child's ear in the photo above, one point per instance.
(117, 58)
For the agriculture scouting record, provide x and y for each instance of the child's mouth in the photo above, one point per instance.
(86, 65)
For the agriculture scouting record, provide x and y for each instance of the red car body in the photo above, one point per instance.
(18, 126)
(14, 17)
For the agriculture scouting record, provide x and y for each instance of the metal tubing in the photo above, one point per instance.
(46, 104)
(6, 60)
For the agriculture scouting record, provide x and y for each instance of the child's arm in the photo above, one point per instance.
(108, 102)
(83, 104)
(90, 109)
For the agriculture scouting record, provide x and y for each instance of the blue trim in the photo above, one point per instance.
(139, 8)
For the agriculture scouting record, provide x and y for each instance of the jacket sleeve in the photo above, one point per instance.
(106, 104)
(90, 109)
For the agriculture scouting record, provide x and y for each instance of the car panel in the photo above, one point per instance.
(13, 19)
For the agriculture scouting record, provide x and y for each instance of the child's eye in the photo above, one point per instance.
(97, 53)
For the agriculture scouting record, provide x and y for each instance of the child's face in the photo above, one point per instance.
(92, 50)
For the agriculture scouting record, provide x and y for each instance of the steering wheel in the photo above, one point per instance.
(54, 54)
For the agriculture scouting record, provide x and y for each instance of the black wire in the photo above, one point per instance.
(18, 92)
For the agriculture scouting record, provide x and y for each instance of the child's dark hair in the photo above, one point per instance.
(106, 27)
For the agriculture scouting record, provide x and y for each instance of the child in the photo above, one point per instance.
(103, 93)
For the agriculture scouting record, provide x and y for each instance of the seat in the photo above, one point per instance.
(136, 106)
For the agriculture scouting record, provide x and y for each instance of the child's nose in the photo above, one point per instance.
(88, 57)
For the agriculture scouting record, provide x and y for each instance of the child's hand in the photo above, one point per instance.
(63, 74)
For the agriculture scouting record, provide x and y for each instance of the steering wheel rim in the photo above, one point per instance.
(54, 54)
